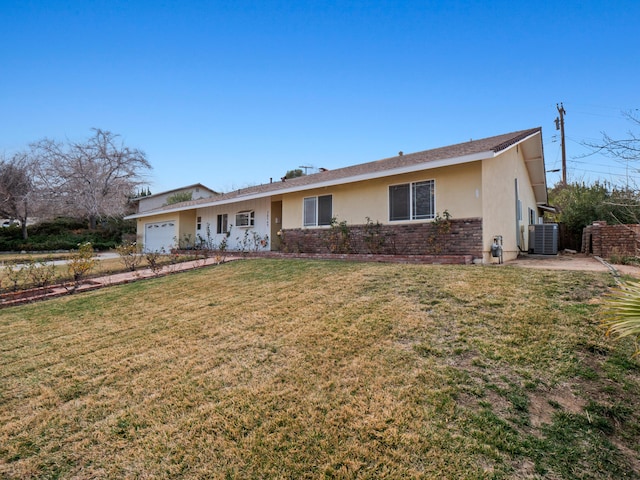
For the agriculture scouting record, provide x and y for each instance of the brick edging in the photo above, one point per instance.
(369, 257)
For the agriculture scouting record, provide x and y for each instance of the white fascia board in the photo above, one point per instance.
(396, 171)
(521, 141)
(329, 183)
(153, 213)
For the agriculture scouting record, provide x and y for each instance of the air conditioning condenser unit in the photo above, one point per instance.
(543, 239)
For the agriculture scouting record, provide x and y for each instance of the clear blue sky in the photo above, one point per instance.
(231, 93)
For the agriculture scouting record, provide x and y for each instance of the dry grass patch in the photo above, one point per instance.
(21, 272)
(296, 369)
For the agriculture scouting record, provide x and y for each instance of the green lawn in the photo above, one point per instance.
(318, 369)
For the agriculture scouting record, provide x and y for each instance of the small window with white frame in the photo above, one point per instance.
(222, 224)
(317, 211)
(245, 219)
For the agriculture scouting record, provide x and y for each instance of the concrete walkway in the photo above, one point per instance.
(99, 256)
(579, 262)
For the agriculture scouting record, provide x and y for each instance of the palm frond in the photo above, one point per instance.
(622, 312)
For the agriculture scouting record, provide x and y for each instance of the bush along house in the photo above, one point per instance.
(457, 201)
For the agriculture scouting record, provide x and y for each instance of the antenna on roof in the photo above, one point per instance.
(306, 167)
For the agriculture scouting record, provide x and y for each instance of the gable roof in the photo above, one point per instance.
(470, 151)
(175, 190)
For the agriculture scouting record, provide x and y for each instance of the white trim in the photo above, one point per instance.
(330, 183)
(251, 218)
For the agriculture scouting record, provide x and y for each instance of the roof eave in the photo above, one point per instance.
(430, 165)
(535, 166)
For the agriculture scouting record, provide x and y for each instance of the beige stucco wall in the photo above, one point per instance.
(141, 222)
(499, 204)
(458, 189)
(187, 225)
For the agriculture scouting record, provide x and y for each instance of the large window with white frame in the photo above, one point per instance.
(317, 211)
(245, 219)
(412, 201)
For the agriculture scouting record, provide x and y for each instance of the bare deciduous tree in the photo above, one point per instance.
(92, 179)
(16, 189)
(626, 149)
(623, 201)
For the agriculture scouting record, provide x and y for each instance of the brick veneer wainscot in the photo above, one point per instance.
(464, 237)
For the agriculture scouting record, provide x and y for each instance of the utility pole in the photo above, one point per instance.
(560, 126)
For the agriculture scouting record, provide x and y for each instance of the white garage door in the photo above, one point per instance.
(159, 236)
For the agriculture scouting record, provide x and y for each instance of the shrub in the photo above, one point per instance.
(440, 228)
(81, 263)
(65, 234)
(14, 275)
(339, 237)
(41, 272)
(374, 236)
(129, 255)
(153, 260)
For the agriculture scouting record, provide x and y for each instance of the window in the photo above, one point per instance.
(412, 201)
(245, 219)
(222, 223)
(199, 223)
(318, 211)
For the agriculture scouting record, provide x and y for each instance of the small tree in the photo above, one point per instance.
(179, 197)
(294, 173)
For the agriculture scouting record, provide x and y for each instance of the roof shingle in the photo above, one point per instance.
(492, 144)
